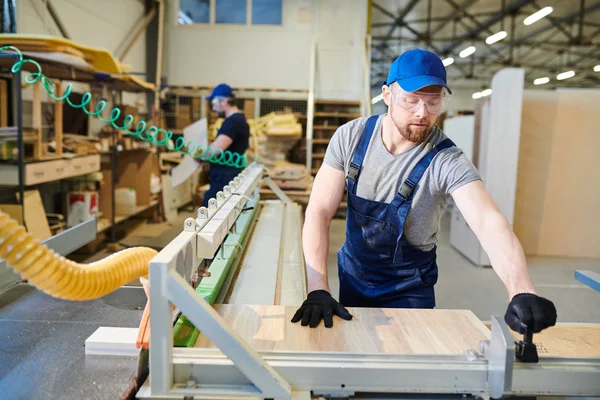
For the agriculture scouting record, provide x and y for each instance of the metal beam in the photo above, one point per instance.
(151, 59)
(469, 16)
(593, 35)
(485, 65)
(569, 18)
(511, 8)
(559, 43)
(540, 47)
(455, 14)
(581, 18)
(133, 35)
(449, 18)
(477, 23)
(587, 55)
(558, 24)
(398, 21)
(56, 18)
(407, 9)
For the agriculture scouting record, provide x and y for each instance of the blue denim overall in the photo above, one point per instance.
(377, 265)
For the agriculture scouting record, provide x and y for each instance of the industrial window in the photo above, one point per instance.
(231, 11)
(266, 12)
(194, 12)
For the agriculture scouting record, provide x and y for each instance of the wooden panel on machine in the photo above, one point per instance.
(568, 340)
(374, 330)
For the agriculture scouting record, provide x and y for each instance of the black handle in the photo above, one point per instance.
(526, 351)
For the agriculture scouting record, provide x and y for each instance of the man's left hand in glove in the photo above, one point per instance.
(528, 312)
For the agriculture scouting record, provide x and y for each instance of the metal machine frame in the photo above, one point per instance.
(239, 371)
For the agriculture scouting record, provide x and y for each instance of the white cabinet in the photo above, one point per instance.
(464, 240)
(498, 157)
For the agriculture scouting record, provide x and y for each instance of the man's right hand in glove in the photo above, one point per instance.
(320, 305)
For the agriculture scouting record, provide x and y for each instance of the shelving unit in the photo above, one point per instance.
(26, 170)
(329, 115)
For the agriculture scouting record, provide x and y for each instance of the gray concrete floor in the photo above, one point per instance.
(462, 285)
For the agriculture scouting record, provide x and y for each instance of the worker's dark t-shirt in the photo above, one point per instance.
(236, 127)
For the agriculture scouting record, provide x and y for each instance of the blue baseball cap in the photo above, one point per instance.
(417, 68)
(221, 90)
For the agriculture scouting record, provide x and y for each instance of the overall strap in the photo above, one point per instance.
(408, 186)
(359, 154)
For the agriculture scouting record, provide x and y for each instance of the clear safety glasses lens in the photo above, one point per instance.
(436, 103)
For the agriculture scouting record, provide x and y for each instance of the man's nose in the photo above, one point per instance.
(422, 110)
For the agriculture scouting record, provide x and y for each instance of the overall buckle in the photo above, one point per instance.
(353, 170)
(406, 188)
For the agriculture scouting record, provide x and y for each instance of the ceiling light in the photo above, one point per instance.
(496, 37)
(377, 98)
(565, 75)
(541, 81)
(597, 68)
(486, 92)
(467, 52)
(476, 95)
(536, 16)
(448, 61)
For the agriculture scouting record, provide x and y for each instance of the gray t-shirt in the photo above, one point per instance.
(382, 174)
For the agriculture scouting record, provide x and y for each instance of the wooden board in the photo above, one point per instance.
(293, 271)
(400, 331)
(260, 265)
(100, 59)
(535, 159)
(564, 223)
(568, 340)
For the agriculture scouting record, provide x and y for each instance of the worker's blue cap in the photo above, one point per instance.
(222, 90)
(417, 68)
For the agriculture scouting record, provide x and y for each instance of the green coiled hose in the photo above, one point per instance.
(150, 134)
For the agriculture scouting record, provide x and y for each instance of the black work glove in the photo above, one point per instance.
(320, 305)
(530, 313)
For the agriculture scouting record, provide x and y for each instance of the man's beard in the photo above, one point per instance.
(414, 135)
(221, 114)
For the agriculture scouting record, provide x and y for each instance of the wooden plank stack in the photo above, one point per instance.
(273, 124)
(289, 176)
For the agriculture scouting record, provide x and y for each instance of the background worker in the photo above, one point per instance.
(233, 136)
(400, 171)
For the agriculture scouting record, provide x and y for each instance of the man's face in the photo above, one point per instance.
(218, 105)
(414, 114)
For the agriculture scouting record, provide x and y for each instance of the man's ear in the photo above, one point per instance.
(387, 95)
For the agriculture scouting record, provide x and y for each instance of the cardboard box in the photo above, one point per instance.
(125, 111)
(35, 222)
(135, 171)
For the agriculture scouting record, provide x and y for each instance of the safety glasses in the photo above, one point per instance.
(435, 103)
(217, 100)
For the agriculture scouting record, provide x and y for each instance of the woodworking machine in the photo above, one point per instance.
(190, 274)
(500, 367)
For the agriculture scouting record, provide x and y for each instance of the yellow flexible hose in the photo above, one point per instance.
(66, 279)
